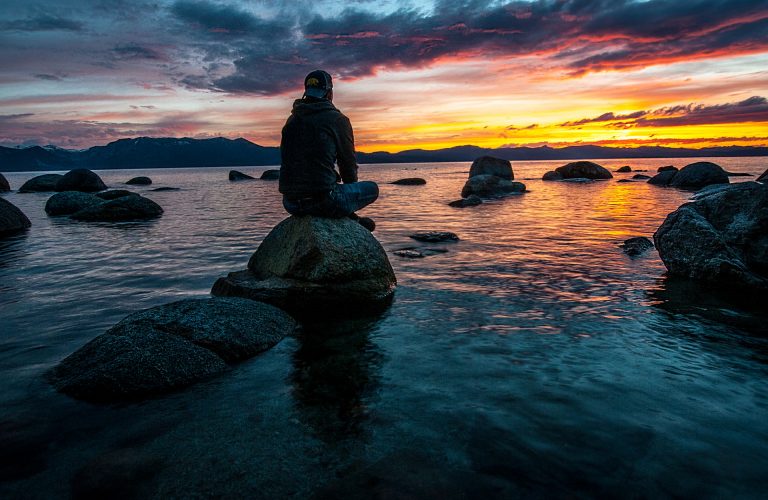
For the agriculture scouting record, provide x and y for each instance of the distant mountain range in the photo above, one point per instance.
(148, 152)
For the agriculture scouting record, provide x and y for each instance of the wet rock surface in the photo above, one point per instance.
(169, 347)
(69, 202)
(12, 219)
(235, 176)
(470, 201)
(270, 175)
(434, 236)
(699, 174)
(489, 165)
(720, 238)
(139, 181)
(490, 186)
(124, 208)
(41, 183)
(81, 179)
(636, 246)
(583, 170)
(309, 262)
(410, 181)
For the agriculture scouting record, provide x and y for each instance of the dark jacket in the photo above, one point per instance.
(315, 137)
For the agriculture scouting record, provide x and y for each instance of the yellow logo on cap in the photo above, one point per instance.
(313, 82)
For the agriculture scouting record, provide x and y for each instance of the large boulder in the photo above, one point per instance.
(488, 165)
(12, 220)
(169, 347)
(699, 174)
(490, 185)
(624, 169)
(81, 179)
(139, 181)
(69, 202)
(721, 237)
(41, 183)
(663, 178)
(583, 170)
(4, 186)
(124, 208)
(308, 263)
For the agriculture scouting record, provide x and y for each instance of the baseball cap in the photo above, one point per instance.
(317, 84)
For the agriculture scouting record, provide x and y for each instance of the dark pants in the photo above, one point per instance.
(341, 201)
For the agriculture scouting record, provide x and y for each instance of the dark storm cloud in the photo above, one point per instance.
(226, 20)
(42, 22)
(754, 109)
(577, 35)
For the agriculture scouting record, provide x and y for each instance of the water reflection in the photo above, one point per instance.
(336, 370)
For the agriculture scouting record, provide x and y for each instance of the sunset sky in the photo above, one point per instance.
(409, 74)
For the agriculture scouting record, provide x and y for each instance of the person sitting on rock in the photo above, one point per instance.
(315, 137)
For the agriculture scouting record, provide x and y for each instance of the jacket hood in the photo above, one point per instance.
(304, 107)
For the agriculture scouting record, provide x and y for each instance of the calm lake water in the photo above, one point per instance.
(532, 359)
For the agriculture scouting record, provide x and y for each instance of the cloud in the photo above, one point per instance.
(42, 22)
(17, 116)
(45, 76)
(529, 127)
(221, 20)
(754, 109)
(132, 51)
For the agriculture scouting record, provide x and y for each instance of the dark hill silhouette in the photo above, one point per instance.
(148, 152)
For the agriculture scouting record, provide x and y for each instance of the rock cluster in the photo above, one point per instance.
(108, 206)
(721, 237)
(169, 347)
(693, 176)
(309, 263)
(489, 177)
(12, 220)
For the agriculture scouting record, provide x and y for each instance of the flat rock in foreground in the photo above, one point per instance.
(309, 263)
(721, 238)
(169, 347)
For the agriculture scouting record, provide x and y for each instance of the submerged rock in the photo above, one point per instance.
(636, 246)
(139, 181)
(490, 185)
(721, 238)
(69, 202)
(434, 236)
(125, 208)
(552, 176)
(234, 175)
(169, 347)
(166, 188)
(410, 253)
(470, 201)
(270, 175)
(410, 181)
(641, 176)
(699, 174)
(489, 165)
(667, 168)
(625, 168)
(12, 220)
(663, 178)
(4, 186)
(309, 263)
(41, 183)
(81, 179)
(583, 170)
